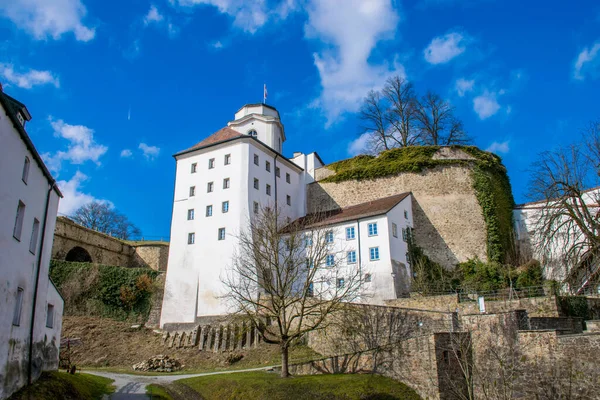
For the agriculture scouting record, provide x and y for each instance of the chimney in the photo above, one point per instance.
(297, 154)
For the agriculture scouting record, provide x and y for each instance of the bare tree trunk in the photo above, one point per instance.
(284, 361)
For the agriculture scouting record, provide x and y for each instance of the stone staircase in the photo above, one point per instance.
(214, 337)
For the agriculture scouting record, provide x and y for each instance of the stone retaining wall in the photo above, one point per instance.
(448, 221)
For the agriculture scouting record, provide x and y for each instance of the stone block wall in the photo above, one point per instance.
(152, 255)
(448, 221)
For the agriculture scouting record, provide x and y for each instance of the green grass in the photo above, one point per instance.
(157, 392)
(263, 385)
(63, 386)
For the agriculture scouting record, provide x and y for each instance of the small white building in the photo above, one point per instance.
(232, 174)
(31, 307)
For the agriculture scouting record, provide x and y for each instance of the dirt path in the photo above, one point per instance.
(133, 387)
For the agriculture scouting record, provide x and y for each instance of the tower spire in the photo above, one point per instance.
(265, 94)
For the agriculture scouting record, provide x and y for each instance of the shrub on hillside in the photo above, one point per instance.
(102, 290)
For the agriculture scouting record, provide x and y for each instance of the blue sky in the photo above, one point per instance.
(115, 88)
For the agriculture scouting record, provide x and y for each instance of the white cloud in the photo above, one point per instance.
(153, 16)
(348, 35)
(48, 18)
(499, 147)
(486, 104)
(360, 145)
(81, 148)
(463, 86)
(587, 61)
(28, 79)
(74, 198)
(217, 45)
(249, 16)
(126, 153)
(444, 48)
(150, 152)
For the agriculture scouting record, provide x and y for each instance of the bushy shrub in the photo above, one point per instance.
(102, 290)
(530, 274)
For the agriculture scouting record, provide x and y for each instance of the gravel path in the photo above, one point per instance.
(133, 387)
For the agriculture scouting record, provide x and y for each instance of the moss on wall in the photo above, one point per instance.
(104, 290)
(490, 183)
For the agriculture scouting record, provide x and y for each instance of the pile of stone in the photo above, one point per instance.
(159, 363)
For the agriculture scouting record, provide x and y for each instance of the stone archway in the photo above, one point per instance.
(78, 254)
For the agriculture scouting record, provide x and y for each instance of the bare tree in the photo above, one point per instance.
(437, 124)
(102, 217)
(566, 222)
(374, 116)
(287, 281)
(401, 113)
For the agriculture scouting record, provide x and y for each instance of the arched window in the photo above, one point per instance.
(26, 170)
(252, 133)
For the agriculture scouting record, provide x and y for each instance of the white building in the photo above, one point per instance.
(528, 222)
(219, 184)
(31, 307)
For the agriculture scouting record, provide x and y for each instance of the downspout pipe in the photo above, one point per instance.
(36, 286)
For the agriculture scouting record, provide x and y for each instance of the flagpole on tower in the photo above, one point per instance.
(265, 94)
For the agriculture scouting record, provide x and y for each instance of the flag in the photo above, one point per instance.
(265, 94)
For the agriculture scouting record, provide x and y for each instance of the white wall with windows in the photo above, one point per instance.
(24, 222)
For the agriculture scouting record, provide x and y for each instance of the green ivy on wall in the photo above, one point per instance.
(490, 182)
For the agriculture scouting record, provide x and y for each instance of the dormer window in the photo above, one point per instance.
(252, 133)
(21, 119)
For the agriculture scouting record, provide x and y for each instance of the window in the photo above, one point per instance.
(310, 263)
(277, 172)
(373, 229)
(350, 233)
(340, 283)
(211, 163)
(252, 133)
(194, 168)
(288, 178)
(268, 166)
(192, 191)
(395, 230)
(330, 260)
(405, 234)
(209, 211)
(19, 221)
(351, 257)
(225, 207)
(408, 258)
(256, 161)
(210, 187)
(50, 316)
(405, 214)
(374, 253)
(255, 183)
(255, 207)
(191, 238)
(221, 233)
(227, 159)
(18, 305)
(268, 189)
(26, 170)
(20, 118)
(329, 237)
(190, 214)
(310, 290)
(288, 200)
(308, 241)
(34, 236)
(367, 278)
(226, 183)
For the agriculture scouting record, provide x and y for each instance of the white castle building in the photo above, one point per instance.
(227, 177)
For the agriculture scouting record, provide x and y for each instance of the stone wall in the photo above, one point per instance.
(448, 222)
(106, 250)
(544, 306)
(424, 363)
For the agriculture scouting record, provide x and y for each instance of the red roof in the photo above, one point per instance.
(363, 210)
(221, 135)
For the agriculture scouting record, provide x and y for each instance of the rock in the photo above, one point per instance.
(159, 363)
(136, 326)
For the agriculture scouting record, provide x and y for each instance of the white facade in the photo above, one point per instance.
(527, 222)
(29, 200)
(242, 166)
(193, 286)
(378, 249)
